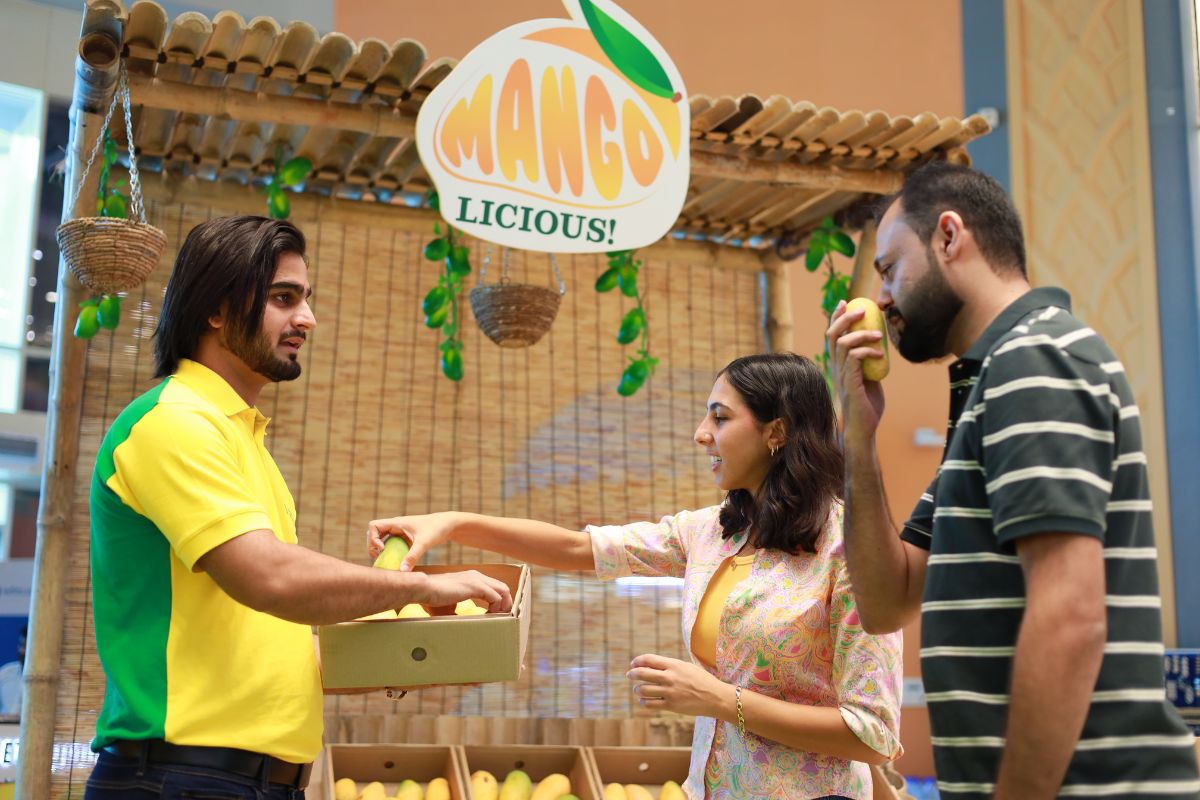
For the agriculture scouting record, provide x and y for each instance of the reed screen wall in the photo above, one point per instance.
(373, 429)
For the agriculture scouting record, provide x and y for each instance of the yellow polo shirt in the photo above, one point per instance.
(182, 470)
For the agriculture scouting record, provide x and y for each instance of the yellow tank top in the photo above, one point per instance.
(732, 571)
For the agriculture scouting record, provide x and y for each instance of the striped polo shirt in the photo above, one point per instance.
(182, 470)
(1044, 436)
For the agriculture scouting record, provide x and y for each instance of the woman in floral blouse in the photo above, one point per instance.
(792, 698)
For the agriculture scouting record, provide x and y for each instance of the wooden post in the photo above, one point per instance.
(95, 79)
(777, 324)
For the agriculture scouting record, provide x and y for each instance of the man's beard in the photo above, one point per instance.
(260, 356)
(934, 307)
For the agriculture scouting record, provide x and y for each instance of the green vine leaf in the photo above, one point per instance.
(813, 258)
(826, 240)
(295, 171)
(842, 243)
(607, 280)
(88, 324)
(440, 304)
(108, 312)
(623, 271)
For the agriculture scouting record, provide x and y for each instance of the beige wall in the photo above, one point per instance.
(1081, 179)
(903, 58)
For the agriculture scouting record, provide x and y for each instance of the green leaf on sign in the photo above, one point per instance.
(628, 54)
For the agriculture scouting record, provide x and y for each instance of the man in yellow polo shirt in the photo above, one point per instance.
(203, 600)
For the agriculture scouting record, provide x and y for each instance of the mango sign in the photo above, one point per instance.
(565, 136)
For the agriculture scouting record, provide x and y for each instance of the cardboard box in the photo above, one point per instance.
(538, 761)
(428, 651)
(648, 767)
(392, 763)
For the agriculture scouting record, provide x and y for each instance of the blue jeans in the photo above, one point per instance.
(117, 778)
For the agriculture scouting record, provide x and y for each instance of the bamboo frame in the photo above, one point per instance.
(310, 207)
(242, 106)
(95, 80)
(778, 323)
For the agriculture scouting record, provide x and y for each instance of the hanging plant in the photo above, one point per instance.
(622, 273)
(440, 305)
(104, 310)
(290, 173)
(824, 242)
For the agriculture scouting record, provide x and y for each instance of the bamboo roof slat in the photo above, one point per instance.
(218, 99)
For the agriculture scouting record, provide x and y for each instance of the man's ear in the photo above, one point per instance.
(218, 320)
(950, 235)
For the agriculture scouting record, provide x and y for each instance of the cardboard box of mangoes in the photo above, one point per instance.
(394, 772)
(529, 772)
(641, 773)
(420, 649)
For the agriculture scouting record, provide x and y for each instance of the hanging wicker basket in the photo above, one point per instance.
(515, 314)
(110, 254)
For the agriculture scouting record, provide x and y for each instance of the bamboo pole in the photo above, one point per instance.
(790, 174)
(777, 324)
(864, 279)
(95, 79)
(242, 106)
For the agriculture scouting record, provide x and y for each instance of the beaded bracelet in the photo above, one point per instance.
(737, 693)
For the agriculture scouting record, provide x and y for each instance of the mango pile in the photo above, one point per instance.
(347, 789)
(518, 786)
(632, 791)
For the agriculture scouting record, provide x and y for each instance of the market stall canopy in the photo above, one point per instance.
(219, 98)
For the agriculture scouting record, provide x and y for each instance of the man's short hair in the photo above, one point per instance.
(226, 262)
(985, 208)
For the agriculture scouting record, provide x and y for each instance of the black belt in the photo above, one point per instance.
(225, 759)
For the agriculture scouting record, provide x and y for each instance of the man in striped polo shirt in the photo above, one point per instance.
(1031, 556)
(202, 598)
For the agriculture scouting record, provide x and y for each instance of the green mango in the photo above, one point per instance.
(108, 312)
(88, 324)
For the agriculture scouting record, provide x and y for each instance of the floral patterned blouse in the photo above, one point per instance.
(789, 631)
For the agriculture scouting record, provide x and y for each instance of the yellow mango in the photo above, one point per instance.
(412, 610)
(671, 791)
(395, 548)
(345, 789)
(874, 369)
(409, 790)
(636, 792)
(373, 791)
(484, 786)
(468, 608)
(438, 789)
(552, 787)
(614, 791)
(517, 786)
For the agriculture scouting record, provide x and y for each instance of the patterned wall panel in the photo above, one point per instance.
(1081, 179)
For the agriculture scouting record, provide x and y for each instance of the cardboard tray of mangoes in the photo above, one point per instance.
(419, 648)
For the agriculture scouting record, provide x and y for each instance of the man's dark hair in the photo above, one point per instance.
(228, 261)
(985, 208)
(805, 479)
